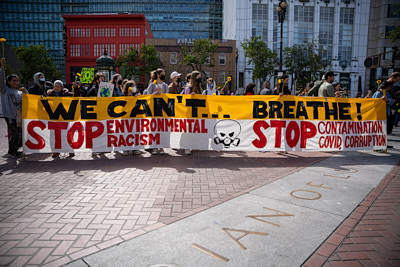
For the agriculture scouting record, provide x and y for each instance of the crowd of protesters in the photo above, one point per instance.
(11, 94)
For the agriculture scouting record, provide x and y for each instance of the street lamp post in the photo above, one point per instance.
(281, 9)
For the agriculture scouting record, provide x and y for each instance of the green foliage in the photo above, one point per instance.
(202, 53)
(9, 69)
(36, 59)
(150, 60)
(394, 35)
(135, 64)
(303, 61)
(258, 53)
(129, 63)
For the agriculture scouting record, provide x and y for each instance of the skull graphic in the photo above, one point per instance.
(226, 133)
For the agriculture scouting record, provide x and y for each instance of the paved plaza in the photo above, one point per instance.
(206, 209)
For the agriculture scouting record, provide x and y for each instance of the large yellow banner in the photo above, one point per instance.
(66, 124)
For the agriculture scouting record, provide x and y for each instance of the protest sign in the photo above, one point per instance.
(232, 123)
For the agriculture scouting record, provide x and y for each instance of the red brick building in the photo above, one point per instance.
(87, 36)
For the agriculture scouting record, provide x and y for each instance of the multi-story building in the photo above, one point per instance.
(25, 22)
(339, 27)
(88, 36)
(383, 55)
(171, 58)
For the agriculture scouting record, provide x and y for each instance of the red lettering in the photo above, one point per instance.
(203, 127)
(57, 127)
(119, 126)
(130, 140)
(308, 130)
(143, 140)
(76, 127)
(112, 141)
(145, 125)
(196, 127)
(90, 134)
(292, 127)
(262, 141)
(278, 132)
(40, 141)
(110, 126)
(154, 138)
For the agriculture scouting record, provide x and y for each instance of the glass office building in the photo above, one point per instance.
(40, 21)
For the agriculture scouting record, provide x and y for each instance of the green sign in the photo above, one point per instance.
(87, 75)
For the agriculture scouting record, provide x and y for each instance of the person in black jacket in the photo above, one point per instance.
(94, 88)
(39, 88)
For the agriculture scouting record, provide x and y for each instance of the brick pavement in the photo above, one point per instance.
(370, 236)
(55, 211)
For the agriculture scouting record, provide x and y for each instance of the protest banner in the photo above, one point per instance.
(230, 123)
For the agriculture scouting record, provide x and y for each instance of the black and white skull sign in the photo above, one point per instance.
(227, 132)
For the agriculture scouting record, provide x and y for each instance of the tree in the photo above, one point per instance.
(129, 63)
(36, 59)
(394, 34)
(150, 60)
(202, 53)
(135, 64)
(303, 61)
(258, 53)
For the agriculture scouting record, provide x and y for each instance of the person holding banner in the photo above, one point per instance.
(250, 89)
(326, 89)
(211, 88)
(383, 94)
(94, 87)
(117, 81)
(157, 86)
(193, 87)
(39, 88)
(175, 86)
(283, 85)
(11, 103)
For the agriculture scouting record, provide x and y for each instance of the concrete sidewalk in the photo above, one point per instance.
(342, 211)
(207, 209)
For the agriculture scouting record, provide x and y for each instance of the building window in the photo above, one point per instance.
(389, 29)
(222, 58)
(99, 49)
(124, 48)
(129, 32)
(173, 58)
(207, 73)
(303, 24)
(394, 11)
(80, 50)
(104, 32)
(388, 55)
(326, 33)
(260, 21)
(345, 35)
(159, 55)
(79, 32)
(241, 79)
(221, 77)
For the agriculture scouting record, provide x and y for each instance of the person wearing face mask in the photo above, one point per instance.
(193, 87)
(39, 88)
(94, 87)
(211, 88)
(117, 81)
(11, 104)
(157, 85)
(175, 87)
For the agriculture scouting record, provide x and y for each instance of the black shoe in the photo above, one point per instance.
(16, 155)
(389, 147)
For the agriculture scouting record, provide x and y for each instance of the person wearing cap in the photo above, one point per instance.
(326, 89)
(175, 86)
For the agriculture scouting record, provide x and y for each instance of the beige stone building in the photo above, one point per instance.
(172, 59)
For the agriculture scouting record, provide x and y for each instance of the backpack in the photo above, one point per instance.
(314, 91)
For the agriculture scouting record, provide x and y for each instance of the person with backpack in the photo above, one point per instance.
(314, 90)
(175, 86)
(211, 88)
